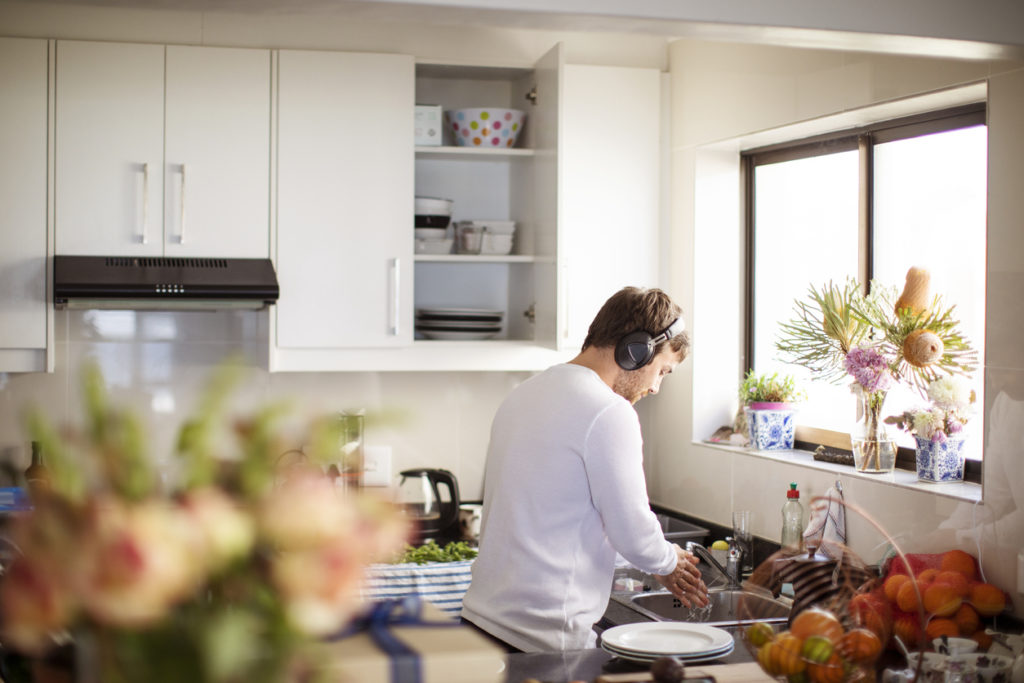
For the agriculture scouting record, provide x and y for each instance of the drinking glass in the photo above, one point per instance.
(741, 535)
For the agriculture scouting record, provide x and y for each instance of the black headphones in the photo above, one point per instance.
(636, 349)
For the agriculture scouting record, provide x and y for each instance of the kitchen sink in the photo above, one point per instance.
(726, 607)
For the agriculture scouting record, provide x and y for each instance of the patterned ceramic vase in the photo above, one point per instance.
(939, 462)
(772, 426)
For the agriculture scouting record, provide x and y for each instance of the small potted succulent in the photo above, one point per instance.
(769, 407)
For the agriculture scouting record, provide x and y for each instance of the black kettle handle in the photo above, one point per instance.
(447, 479)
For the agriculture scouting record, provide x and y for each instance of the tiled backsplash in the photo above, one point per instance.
(159, 362)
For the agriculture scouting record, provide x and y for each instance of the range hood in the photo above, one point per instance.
(163, 283)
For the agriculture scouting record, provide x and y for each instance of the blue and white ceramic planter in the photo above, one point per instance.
(772, 426)
(939, 462)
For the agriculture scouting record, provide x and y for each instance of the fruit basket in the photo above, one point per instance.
(849, 621)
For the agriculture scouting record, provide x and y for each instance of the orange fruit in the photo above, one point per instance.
(892, 584)
(908, 628)
(764, 658)
(955, 580)
(785, 654)
(816, 622)
(941, 600)
(983, 639)
(967, 620)
(759, 633)
(906, 597)
(860, 645)
(829, 672)
(938, 627)
(872, 612)
(989, 600)
(927, 575)
(958, 560)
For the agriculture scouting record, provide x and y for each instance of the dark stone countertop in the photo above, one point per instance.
(588, 664)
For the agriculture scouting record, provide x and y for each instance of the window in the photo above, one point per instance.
(869, 204)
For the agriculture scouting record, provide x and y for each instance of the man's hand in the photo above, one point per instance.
(684, 582)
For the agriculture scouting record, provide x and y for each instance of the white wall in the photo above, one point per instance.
(724, 92)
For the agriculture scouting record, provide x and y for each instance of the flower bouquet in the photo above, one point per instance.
(878, 339)
(223, 575)
(939, 429)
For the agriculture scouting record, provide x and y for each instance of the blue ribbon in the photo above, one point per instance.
(384, 614)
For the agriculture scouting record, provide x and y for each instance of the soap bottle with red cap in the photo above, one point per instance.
(793, 520)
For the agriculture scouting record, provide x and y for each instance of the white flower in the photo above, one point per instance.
(927, 422)
(950, 393)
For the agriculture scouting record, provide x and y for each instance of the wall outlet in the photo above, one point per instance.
(376, 465)
(1020, 572)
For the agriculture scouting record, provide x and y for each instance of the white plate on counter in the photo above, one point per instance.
(668, 638)
(648, 659)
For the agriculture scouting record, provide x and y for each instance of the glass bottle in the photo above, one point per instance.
(793, 520)
(37, 474)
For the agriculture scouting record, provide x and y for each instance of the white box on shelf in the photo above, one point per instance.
(428, 125)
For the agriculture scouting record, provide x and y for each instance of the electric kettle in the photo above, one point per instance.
(418, 495)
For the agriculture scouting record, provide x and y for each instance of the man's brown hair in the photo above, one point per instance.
(633, 309)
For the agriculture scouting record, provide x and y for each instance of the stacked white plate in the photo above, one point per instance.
(458, 323)
(646, 641)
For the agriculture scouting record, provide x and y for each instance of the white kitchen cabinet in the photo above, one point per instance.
(517, 184)
(583, 186)
(610, 184)
(23, 204)
(344, 207)
(162, 151)
(585, 193)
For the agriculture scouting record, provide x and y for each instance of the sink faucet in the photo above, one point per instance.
(731, 573)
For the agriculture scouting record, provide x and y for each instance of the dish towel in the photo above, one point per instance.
(827, 527)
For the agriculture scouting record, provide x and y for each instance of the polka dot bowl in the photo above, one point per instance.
(485, 126)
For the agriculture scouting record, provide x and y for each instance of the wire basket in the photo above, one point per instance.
(849, 620)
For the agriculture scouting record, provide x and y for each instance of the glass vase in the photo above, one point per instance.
(873, 451)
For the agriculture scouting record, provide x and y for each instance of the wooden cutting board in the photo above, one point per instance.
(747, 672)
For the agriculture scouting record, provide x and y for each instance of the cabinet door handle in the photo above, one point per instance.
(395, 281)
(145, 204)
(181, 231)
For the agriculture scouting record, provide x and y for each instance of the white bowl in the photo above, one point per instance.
(493, 227)
(496, 244)
(433, 206)
(434, 246)
(954, 646)
(429, 233)
(990, 668)
(485, 126)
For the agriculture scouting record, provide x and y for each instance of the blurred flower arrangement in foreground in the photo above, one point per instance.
(219, 576)
(951, 403)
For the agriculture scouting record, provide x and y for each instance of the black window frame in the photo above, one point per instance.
(862, 138)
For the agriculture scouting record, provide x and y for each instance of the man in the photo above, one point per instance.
(564, 487)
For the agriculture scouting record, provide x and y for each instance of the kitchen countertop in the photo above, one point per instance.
(588, 664)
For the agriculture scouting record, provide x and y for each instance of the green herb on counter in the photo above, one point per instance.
(432, 552)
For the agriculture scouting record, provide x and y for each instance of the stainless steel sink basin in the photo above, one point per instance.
(726, 607)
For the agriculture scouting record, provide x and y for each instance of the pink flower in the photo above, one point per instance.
(135, 561)
(35, 605)
(869, 368)
(223, 531)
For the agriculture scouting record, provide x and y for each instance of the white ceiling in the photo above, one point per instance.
(980, 29)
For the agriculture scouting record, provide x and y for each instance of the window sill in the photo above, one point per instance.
(903, 479)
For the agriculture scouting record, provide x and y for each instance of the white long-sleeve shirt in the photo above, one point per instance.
(564, 490)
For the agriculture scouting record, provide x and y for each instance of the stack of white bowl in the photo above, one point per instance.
(496, 235)
(432, 216)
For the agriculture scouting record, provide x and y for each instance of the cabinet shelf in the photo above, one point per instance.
(464, 258)
(488, 153)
